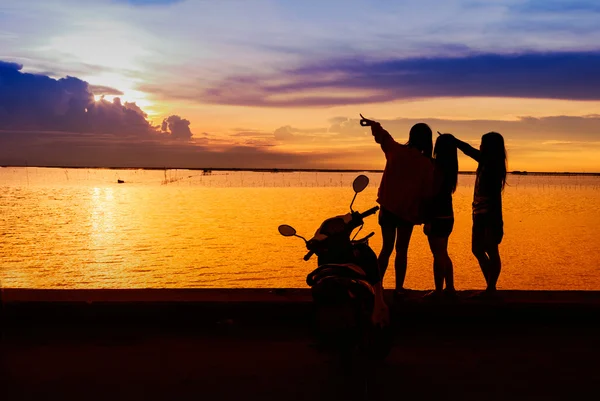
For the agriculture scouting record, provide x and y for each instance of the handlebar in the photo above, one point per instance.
(357, 220)
(369, 212)
(308, 255)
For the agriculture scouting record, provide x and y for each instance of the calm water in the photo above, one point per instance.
(78, 228)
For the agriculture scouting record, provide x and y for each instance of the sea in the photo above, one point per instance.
(137, 228)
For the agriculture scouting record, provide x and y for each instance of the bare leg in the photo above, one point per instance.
(437, 245)
(402, 241)
(388, 235)
(494, 266)
(449, 276)
(439, 248)
(478, 248)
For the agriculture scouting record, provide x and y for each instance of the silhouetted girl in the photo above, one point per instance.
(441, 215)
(487, 204)
(406, 182)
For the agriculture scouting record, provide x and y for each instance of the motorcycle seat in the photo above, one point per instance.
(342, 270)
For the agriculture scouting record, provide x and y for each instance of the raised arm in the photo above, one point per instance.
(382, 137)
(468, 150)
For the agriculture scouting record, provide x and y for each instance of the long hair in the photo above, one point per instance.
(493, 163)
(446, 158)
(420, 137)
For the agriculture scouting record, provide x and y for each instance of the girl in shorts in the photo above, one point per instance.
(441, 213)
(406, 182)
(487, 204)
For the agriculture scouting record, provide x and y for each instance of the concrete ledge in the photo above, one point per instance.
(181, 308)
(269, 295)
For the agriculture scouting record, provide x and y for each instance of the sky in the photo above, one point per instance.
(281, 83)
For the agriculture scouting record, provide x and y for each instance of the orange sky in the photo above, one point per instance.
(281, 84)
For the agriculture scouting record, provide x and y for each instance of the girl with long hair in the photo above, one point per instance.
(406, 182)
(488, 226)
(441, 213)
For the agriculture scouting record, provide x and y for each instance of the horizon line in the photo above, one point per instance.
(287, 170)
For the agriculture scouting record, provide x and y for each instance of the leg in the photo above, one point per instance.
(403, 238)
(494, 267)
(437, 246)
(388, 234)
(478, 245)
(449, 276)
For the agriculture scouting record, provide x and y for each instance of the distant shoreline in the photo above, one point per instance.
(290, 170)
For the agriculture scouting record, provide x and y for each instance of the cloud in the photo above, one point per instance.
(551, 129)
(177, 127)
(57, 122)
(552, 75)
(40, 103)
(284, 133)
(104, 90)
(92, 150)
(559, 143)
(560, 7)
(289, 133)
(250, 133)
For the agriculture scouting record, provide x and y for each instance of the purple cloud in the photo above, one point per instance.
(567, 75)
(93, 150)
(177, 128)
(35, 102)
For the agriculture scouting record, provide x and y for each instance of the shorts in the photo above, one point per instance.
(389, 219)
(441, 228)
(489, 227)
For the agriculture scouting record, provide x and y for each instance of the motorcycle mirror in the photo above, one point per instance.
(360, 183)
(286, 231)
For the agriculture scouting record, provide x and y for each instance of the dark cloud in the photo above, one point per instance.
(556, 6)
(553, 75)
(70, 149)
(177, 128)
(37, 102)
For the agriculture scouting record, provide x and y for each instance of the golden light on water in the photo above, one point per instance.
(102, 218)
(83, 230)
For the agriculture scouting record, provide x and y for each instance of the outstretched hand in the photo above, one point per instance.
(365, 122)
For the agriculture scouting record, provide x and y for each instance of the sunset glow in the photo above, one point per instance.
(281, 87)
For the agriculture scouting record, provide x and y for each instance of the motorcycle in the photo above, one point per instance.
(346, 285)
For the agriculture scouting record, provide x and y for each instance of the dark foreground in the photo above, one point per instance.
(547, 348)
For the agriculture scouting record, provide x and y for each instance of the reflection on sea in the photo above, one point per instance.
(80, 228)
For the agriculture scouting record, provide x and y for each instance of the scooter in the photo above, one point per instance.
(346, 284)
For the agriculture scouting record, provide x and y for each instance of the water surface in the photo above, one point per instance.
(79, 228)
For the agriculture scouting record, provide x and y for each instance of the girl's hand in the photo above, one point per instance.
(447, 133)
(365, 122)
